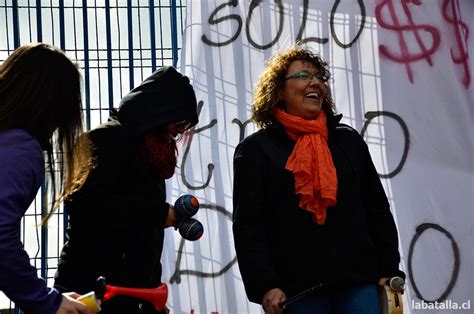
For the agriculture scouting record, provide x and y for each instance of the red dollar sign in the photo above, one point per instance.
(461, 32)
(406, 57)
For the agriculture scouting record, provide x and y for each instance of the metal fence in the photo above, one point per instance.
(116, 44)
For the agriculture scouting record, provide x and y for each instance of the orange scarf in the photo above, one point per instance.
(311, 163)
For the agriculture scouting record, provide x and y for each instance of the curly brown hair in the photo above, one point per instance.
(267, 92)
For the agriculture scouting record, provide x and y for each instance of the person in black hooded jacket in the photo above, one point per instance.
(119, 212)
(309, 207)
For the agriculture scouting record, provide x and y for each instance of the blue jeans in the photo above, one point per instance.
(357, 300)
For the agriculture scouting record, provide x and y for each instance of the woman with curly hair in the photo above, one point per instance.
(310, 211)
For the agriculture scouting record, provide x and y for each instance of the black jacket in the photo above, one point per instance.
(277, 243)
(117, 216)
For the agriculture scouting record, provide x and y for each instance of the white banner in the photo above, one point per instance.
(402, 76)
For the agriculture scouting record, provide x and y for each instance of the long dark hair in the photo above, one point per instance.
(40, 92)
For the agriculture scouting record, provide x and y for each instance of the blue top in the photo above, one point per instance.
(21, 174)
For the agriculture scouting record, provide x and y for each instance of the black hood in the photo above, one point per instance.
(164, 97)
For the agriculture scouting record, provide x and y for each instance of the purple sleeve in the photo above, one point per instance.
(21, 173)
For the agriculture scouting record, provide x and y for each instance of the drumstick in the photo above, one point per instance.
(300, 295)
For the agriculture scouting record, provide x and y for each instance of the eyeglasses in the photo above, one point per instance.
(183, 125)
(305, 76)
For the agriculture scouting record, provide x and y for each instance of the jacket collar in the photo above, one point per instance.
(332, 122)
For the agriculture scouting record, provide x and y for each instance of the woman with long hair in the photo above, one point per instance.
(40, 100)
(119, 213)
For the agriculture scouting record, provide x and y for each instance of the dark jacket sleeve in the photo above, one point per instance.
(382, 226)
(19, 178)
(126, 212)
(118, 192)
(250, 223)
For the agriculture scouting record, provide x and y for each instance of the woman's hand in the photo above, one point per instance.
(70, 305)
(383, 281)
(271, 299)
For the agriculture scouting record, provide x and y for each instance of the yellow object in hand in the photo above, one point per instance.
(90, 301)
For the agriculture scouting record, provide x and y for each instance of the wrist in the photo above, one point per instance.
(171, 219)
